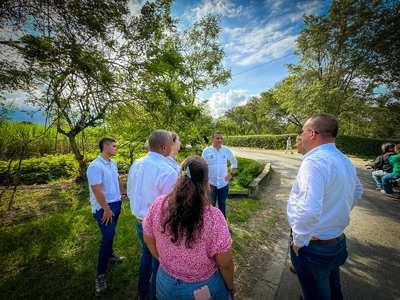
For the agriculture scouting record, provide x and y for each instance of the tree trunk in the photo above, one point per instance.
(79, 157)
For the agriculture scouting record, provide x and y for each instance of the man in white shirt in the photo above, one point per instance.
(217, 157)
(325, 191)
(106, 193)
(150, 177)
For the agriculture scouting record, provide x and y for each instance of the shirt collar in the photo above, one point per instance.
(156, 155)
(322, 147)
(103, 160)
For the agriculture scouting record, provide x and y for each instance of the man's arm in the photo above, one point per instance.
(122, 190)
(357, 193)
(168, 182)
(101, 199)
(308, 202)
(233, 161)
(376, 163)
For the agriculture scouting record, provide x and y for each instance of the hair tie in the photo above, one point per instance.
(186, 172)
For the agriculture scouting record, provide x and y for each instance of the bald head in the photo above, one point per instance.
(325, 124)
(160, 141)
(319, 129)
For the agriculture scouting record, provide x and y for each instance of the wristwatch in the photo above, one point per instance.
(231, 173)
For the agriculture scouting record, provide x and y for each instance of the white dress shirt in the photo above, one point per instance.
(218, 164)
(325, 191)
(149, 177)
(173, 163)
(105, 173)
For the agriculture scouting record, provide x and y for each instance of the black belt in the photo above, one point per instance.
(327, 242)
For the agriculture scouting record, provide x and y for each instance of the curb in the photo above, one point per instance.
(254, 186)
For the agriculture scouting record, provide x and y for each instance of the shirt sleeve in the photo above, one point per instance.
(232, 158)
(203, 155)
(357, 193)
(95, 175)
(310, 199)
(169, 183)
(222, 240)
(129, 184)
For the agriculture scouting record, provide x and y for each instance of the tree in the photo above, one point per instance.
(66, 57)
(176, 66)
(341, 61)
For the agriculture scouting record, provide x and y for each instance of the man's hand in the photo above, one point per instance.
(107, 216)
(228, 177)
(123, 196)
(295, 248)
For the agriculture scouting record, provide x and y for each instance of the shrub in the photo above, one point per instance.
(39, 170)
(347, 144)
(246, 172)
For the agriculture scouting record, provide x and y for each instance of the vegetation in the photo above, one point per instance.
(86, 67)
(364, 147)
(49, 243)
(348, 67)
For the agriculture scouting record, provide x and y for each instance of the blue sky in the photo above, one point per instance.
(258, 37)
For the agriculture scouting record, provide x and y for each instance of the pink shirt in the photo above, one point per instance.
(194, 264)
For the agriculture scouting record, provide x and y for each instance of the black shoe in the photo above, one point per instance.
(100, 284)
(291, 268)
(230, 230)
(115, 259)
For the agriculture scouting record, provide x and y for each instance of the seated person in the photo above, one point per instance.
(381, 164)
(394, 160)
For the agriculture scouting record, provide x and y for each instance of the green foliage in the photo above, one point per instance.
(39, 170)
(346, 56)
(51, 235)
(33, 139)
(276, 142)
(242, 209)
(364, 147)
(347, 144)
(246, 172)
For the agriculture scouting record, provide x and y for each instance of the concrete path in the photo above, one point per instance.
(372, 270)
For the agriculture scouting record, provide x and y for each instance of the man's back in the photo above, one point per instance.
(329, 189)
(149, 177)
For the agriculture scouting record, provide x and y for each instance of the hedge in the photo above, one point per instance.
(49, 168)
(364, 147)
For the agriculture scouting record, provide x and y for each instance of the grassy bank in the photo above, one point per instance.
(49, 242)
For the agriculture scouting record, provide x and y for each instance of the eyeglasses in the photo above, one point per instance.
(308, 130)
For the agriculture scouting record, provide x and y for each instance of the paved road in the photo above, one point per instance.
(372, 270)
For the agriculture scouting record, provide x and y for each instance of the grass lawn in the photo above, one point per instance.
(49, 242)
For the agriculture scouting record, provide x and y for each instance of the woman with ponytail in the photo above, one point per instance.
(190, 238)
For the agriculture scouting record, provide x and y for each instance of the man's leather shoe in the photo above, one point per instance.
(291, 268)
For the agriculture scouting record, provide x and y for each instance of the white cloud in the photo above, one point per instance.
(217, 7)
(17, 99)
(221, 102)
(259, 44)
(136, 5)
(271, 36)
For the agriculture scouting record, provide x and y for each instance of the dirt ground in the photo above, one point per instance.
(262, 225)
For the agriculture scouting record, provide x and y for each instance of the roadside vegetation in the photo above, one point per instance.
(49, 243)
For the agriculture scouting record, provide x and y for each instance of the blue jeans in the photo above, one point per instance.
(386, 184)
(148, 267)
(220, 194)
(377, 176)
(169, 287)
(107, 236)
(318, 270)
